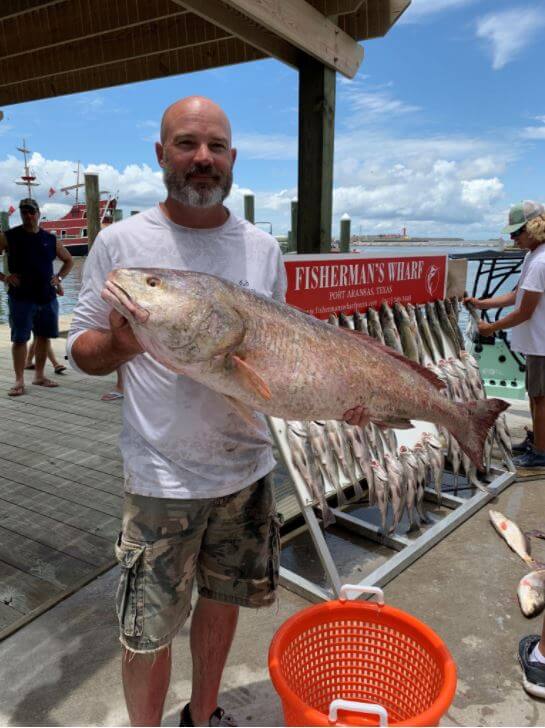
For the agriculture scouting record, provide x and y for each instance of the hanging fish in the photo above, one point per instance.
(410, 467)
(360, 322)
(381, 491)
(303, 461)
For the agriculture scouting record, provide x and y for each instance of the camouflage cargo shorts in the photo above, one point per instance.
(232, 544)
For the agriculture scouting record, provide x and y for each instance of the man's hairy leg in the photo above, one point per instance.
(19, 358)
(212, 630)
(40, 357)
(146, 678)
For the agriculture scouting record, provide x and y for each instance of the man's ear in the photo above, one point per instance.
(159, 151)
(233, 156)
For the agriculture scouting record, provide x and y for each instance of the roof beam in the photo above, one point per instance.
(332, 8)
(304, 27)
(158, 37)
(158, 65)
(59, 25)
(15, 8)
(373, 19)
(239, 25)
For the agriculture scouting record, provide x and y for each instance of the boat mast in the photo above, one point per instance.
(74, 187)
(27, 178)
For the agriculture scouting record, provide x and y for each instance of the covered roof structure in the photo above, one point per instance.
(54, 47)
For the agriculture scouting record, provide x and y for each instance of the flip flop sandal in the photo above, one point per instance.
(60, 369)
(112, 396)
(46, 383)
(16, 391)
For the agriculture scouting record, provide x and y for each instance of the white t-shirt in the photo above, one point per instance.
(179, 438)
(529, 337)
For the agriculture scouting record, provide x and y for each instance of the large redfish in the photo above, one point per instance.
(275, 359)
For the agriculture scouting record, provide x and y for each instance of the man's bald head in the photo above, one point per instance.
(194, 107)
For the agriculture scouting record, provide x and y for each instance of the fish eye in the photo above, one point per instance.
(152, 281)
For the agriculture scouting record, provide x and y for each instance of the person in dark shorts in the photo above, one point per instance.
(32, 291)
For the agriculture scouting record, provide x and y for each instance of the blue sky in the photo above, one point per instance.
(441, 130)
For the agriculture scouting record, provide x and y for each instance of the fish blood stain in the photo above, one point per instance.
(503, 526)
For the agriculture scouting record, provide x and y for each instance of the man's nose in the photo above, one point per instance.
(203, 155)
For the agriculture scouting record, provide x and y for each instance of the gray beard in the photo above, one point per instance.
(202, 197)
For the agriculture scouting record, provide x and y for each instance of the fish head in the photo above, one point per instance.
(175, 315)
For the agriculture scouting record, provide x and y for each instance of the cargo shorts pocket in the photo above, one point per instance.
(130, 591)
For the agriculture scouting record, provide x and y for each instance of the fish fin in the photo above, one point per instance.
(423, 371)
(396, 423)
(477, 417)
(250, 378)
(243, 410)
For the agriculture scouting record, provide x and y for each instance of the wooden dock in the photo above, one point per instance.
(61, 487)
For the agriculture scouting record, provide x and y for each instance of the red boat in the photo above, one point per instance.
(71, 229)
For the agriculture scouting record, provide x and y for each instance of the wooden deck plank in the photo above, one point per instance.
(8, 615)
(100, 500)
(21, 418)
(24, 591)
(74, 471)
(68, 455)
(44, 435)
(36, 559)
(86, 547)
(37, 466)
(73, 514)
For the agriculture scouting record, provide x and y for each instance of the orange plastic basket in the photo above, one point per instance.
(380, 659)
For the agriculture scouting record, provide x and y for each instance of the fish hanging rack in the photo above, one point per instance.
(405, 549)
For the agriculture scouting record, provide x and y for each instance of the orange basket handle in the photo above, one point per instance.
(346, 589)
(357, 707)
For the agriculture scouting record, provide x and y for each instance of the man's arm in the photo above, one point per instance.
(11, 278)
(523, 313)
(67, 262)
(507, 299)
(101, 352)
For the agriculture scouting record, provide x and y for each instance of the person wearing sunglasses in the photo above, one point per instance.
(32, 291)
(527, 229)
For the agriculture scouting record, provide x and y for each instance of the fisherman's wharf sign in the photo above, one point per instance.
(335, 283)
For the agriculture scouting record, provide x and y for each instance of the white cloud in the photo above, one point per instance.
(420, 9)
(509, 32)
(266, 146)
(442, 185)
(376, 102)
(535, 132)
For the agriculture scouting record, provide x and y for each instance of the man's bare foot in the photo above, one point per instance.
(17, 390)
(45, 382)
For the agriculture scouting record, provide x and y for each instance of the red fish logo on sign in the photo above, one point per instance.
(432, 280)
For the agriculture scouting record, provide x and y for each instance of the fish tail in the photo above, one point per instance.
(471, 426)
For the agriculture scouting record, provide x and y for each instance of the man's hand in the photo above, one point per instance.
(476, 302)
(486, 328)
(124, 342)
(357, 416)
(55, 281)
(12, 280)
(59, 289)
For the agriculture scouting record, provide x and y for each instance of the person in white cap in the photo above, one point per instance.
(527, 229)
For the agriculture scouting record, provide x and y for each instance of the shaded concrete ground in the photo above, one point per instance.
(63, 668)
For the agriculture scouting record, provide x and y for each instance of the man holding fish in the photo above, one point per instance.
(198, 498)
(527, 229)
